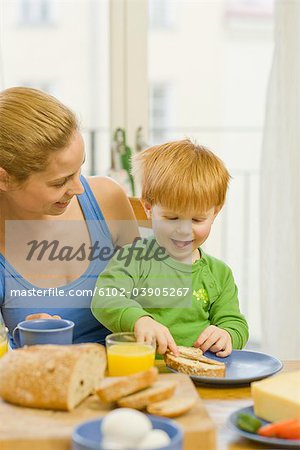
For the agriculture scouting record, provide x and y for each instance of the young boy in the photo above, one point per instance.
(166, 288)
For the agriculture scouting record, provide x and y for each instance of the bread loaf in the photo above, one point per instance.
(160, 390)
(112, 389)
(51, 376)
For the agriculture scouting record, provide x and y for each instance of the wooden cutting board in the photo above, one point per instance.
(36, 429)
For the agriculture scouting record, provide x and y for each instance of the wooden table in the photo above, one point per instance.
(221, 402)
(49, 430)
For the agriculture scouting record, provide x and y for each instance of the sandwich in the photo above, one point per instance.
(191, 361)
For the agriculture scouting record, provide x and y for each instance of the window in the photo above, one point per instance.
(69, 61)
(42, 85)
(161, 100)
(250, 8)
(219, 100)
(161, 14)
(36, 12)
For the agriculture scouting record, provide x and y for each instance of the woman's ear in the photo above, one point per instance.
(4, 178)
(147, 207)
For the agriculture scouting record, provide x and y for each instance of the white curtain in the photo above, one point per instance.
(280, 189)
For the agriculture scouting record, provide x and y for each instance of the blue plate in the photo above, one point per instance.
(242, 367)
(281, 443)
(87, 436)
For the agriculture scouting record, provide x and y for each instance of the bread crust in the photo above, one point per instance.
(159, 391)
(173, 407)
(192, 367)
(112, 389)
(51, 376)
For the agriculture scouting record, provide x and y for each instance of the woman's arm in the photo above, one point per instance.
(116, 209)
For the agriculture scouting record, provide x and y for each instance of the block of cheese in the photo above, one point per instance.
(277, 397)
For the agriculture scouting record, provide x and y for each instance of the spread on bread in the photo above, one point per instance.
(191, 361)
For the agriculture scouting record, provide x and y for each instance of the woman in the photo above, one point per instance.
(57, 229)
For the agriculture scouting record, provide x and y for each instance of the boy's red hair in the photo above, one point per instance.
(181, 176)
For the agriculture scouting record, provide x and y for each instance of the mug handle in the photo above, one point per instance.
(16, 336)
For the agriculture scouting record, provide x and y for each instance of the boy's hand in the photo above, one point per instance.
(215, 340)
(148, 330)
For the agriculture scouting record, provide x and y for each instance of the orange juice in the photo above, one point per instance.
(125, 359)
(3, 347)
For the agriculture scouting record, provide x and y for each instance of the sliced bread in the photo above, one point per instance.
(192, 367)
(112, 389)
(173, 407)
(160, 390)
(197, 355)
(51, 376)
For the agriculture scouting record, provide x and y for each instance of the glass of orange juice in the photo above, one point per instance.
(3, 339)
(127, 356)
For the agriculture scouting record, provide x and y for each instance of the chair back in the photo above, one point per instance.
(139, 213)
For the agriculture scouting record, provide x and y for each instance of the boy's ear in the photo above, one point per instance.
(217, 210)
(4, 179)
(147, 207)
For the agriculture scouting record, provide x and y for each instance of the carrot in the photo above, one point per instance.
(286, 429)
(291, 432)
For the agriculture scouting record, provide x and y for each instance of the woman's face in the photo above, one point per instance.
(50, 192)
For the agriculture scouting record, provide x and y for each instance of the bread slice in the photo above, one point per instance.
(51, 376)
(192, 367)
(173, 407)
(197, 355)
(160, 390)
(112, 389)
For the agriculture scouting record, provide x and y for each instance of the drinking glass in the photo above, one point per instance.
(127, 356)
(3, 339)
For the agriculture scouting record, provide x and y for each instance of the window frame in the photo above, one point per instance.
(128, 51)
(34, 13)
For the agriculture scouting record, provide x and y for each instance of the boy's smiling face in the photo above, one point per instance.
(181, 234)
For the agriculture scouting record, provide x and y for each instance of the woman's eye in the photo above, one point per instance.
(171, 218)
(61, 184)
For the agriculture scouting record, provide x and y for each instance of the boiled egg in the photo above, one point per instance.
(154, 439)
(124, 428)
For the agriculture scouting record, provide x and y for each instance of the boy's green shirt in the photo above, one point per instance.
(185, 298)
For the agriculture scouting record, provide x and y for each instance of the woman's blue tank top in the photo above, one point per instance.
(71, 301)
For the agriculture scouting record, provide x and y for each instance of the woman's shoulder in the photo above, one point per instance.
(99, 183)
(111, 198)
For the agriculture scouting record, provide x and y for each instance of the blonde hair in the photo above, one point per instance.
(182, 176)
(32, 125)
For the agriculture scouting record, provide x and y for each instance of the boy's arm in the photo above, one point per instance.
(225, 313)
(112, 304)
